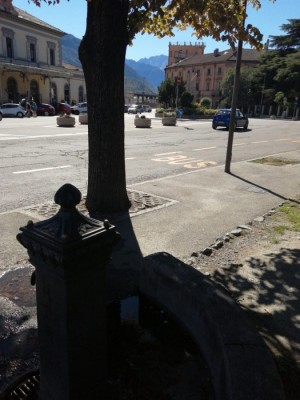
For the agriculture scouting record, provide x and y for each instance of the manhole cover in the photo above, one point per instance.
(141, 202)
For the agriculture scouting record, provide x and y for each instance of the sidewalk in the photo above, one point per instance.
(195, 209)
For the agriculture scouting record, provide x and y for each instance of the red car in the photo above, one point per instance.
(45, 109)
(63, 108)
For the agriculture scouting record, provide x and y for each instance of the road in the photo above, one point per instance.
(37, 156)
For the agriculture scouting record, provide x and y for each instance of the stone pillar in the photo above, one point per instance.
(69, 252)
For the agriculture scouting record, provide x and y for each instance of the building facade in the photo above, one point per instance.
(31, 61)
(203, 73)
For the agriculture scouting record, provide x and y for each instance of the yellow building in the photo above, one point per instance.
(31, 60)
(203, 73)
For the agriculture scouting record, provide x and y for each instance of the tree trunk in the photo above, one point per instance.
(102, 53)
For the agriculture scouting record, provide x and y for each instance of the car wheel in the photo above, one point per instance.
(20, 114)
(46, 113)
(246, 125)
(214, 126)
(0, 117)
(77, 112)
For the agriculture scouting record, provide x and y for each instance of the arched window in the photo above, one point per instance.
(12, 90)
(34, 90)
(53, 94)
(80, 94)
(67, 93)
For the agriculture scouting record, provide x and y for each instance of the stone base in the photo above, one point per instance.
(65, 120)
(169, 121)
(142, 122)
(83, 119)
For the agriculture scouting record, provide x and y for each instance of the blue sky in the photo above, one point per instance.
(70, 16)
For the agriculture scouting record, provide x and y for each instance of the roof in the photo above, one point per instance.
(25, 16)
(250, 55)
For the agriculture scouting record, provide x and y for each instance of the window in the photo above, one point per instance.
(52, 57)
(207, 87)
(80, 94)
(51, 53)
(9, 48)
(219, 71)
(31, 48)
(8, 36)
(67, 93)
(32, 53)
(208, 71)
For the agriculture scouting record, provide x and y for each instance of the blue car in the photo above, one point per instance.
(222, 119)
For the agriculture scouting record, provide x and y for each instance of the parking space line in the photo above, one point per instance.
(240, 144)
(261, 141)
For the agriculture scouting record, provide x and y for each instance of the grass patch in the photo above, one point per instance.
(287, 218)
(277, 161)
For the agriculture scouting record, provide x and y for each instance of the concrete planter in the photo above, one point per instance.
(83, 119)
(142, 122)
(168, 121)
(65, 120)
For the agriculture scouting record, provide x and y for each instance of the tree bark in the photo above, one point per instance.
(102, 53)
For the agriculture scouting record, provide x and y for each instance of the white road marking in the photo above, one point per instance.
(205, 148)
(41, 169)
(261, 141)
(240, 144)
(130, 158)
(165, 154)
(41, 136)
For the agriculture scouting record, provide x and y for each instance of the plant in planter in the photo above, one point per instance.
(142, 122)
(169, 118)
(159, 112)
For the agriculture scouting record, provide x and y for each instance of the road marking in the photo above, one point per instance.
(205, 148)
(186, 162)
(280, 140)
(41, 169)
(239, 144)
(42, 136)
(261, 141)
(295, 141)
(166, 154)
(130, 158)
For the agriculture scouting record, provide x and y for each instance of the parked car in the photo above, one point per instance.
(12, 110)
(80, 108)
(45, 109)
(63, 108)
(147, 108)
(222, 118)
(135, 108)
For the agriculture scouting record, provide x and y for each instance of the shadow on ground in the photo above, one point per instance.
(268, 288)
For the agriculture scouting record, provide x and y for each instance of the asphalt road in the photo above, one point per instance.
(37, 156)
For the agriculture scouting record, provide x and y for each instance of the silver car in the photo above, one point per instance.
(12, 110)
(80, 108)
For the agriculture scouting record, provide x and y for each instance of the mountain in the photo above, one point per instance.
(152, 74)
(156, 61)
(143, 76)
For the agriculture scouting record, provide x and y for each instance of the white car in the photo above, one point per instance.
(80, 108)
(12, 110)
(135, 108)
(147, 108)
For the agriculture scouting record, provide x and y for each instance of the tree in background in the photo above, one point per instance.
(280, 69)
(110, 27)
(168, 91)
(292, 38)
(249, 88)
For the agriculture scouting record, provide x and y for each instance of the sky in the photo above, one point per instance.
(70, 17)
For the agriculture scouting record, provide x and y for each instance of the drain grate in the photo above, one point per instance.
(141, 202)
(25, 388)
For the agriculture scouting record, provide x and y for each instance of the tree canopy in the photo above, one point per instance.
(292, 37)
